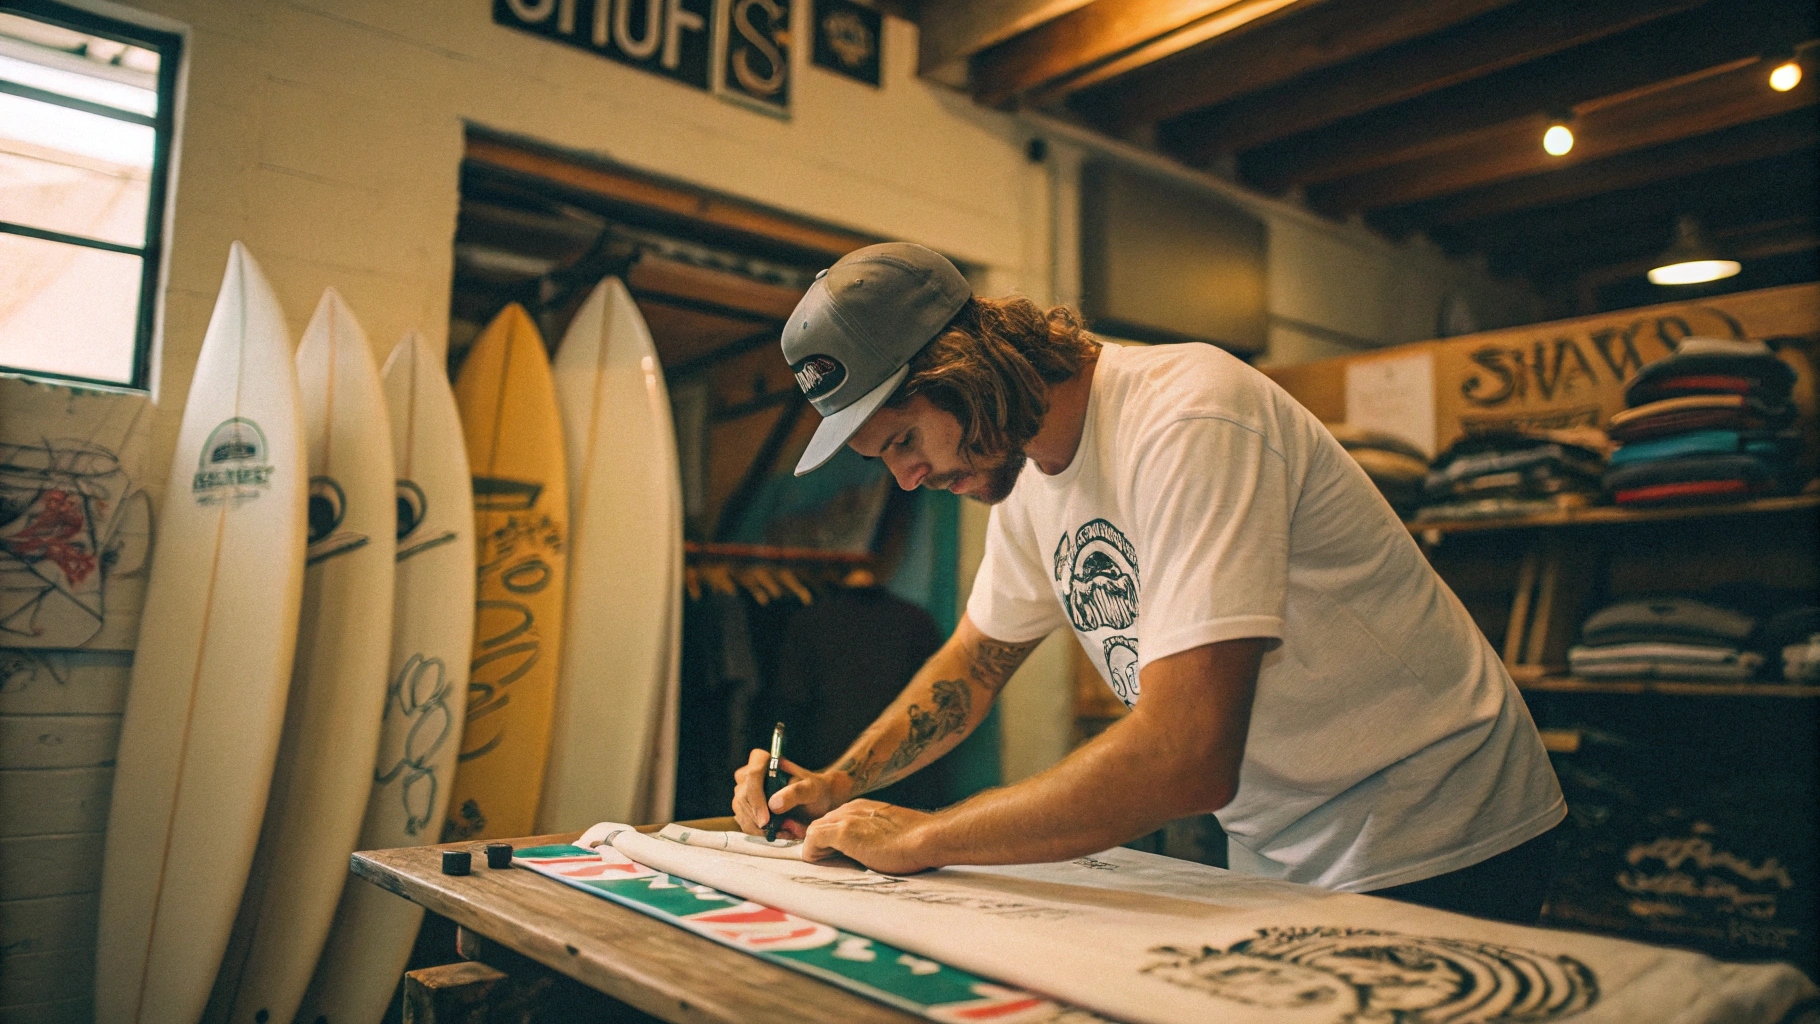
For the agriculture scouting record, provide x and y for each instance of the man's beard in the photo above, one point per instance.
(1000, 479)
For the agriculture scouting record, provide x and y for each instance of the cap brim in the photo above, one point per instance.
(836, 429)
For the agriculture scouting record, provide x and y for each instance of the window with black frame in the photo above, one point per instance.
(86, 112)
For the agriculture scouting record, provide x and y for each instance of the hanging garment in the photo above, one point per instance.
(842, 662)
(720, 678)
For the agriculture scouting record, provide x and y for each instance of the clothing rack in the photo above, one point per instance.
(769, 573)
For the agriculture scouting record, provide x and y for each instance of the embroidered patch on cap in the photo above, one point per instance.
(819, 375)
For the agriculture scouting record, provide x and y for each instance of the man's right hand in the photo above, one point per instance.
(808, 796)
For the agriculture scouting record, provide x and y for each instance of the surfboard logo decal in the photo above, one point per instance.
(234, 466)
(328, 507)
(413, 509)
(819, 376)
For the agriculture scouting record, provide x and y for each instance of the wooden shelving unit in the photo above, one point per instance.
(1558, 569)
(1610, 515)
(1570, 684)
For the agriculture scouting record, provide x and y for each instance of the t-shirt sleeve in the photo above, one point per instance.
(1212, 502)
(1012, 598)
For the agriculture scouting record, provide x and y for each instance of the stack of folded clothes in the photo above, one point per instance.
(1396, 466)
(1666, 638)
(1711, 422)
(1514, 472)
(1793, 635)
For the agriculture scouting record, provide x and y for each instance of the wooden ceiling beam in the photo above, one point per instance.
(1088, 36)
(1502, 39)
(1737, 95)
(1713, 35)
(1288, 48)
(1613, 227)
(1733, 147)
(950, 31)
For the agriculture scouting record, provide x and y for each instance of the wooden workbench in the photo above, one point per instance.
(639, 960)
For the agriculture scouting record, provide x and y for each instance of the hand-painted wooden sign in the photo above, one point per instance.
(755, 54)
(849, 39)
(665, 37)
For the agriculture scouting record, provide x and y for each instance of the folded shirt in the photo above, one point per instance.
(1382, 464)
(1801, 662)
(1767, 445)
(1500, 507)
(1716, 475)
(1549, 459)
(1696, 412)
(1664, 661)
(1353, 438)
(1669, 617)
(1713, 365)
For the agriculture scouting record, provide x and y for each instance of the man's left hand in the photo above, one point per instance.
(881, 836)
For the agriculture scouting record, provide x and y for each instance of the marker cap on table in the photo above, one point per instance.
(499, 855)
(456, 862)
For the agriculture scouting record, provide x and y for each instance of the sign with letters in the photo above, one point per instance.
(847, 39)
(671, 38)
(755, 54)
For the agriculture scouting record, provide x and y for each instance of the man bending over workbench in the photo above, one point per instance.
(1291, 661)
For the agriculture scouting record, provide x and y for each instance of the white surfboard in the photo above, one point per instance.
(624, 597)
(420, 731)
(338, 684)
(211, 670)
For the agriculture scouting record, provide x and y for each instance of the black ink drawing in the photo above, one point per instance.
(910, 891)
(328, 507)
(1099, 568)
(413, 508)
(1360, 976)
(1122, 668)
(420, 692)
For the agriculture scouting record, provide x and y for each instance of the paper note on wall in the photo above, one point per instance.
(1395, 395)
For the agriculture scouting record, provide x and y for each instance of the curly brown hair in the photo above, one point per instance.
(991, 368)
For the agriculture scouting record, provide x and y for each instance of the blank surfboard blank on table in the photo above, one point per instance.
(212, 667)
(614, 698)
(521, 538)
(338, 684)
(420, 731)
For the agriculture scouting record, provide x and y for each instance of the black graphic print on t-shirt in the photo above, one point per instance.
(1097, 570)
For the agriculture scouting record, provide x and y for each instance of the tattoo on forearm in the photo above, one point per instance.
(952, 705)
(993, 662)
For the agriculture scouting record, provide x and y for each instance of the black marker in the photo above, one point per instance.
(774, 780)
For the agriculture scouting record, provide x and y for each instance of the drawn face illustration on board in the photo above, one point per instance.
(1361, 976)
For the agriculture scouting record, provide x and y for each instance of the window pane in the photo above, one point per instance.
(68, 309)
(74, 172)
(86, 67)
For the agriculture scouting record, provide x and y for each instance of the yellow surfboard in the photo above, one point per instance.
(521, 530)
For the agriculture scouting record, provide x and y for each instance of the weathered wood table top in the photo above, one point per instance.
(656, 967)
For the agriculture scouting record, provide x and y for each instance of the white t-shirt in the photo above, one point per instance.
(1387, 742)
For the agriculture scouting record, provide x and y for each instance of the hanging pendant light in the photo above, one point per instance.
(1690, 260)
(1558, 140)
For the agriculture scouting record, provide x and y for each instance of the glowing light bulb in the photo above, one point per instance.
(1557, 140)
(1785, 77)
(1694, 272)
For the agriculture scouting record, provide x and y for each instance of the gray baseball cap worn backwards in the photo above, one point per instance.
(850, 340)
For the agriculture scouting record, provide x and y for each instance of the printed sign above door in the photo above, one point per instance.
(666, 37)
